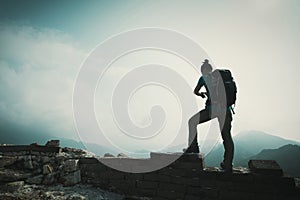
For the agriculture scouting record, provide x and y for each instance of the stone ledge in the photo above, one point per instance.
(267, 167)
(184, 157)
(90, 160)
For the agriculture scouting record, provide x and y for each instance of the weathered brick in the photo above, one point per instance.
(210, 192)
(186, 181)
(159, 198)
(157, 177)
(114, 175)
(165, 156)
(192, 197)
(134, 176)
(195, 191)
(250, 187)
(207, 175)
(172, 172)
(274, 180)
(172, 187)
(91, 160)
(150, 192)
(170, 194)
(102, 183)
(226, 194)
(208, 183)
(287, 182)
(122, 185)
(95, 168)
(192, 173)
(223, 184)
(188, 165)
(247, 177)
(147, 184)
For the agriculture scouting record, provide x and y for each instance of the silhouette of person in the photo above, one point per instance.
(206, 114)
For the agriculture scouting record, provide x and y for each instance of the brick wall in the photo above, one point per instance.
(188, 179)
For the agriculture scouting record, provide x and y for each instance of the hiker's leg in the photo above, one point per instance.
(198, 118)
(227, 139)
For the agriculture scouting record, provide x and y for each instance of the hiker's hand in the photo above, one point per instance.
(202, 94)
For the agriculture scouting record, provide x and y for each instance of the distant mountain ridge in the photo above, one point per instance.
(255, 141)
(247, 144)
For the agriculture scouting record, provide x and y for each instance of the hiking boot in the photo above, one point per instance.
(226, 168)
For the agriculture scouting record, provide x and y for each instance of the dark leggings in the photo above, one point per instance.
(225, 127)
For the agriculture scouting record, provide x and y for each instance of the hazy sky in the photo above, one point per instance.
(43, 44)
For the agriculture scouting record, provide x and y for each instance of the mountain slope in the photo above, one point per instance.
(256, 141)
(247, 144)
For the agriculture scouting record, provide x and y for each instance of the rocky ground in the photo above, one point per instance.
(59, 192)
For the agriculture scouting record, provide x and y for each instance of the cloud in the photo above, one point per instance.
(38, 67)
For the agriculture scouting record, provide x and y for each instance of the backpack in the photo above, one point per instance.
(225, 86)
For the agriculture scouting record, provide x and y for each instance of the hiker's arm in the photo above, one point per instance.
(198, 87)
(196, 92)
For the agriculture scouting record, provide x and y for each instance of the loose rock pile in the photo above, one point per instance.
(26, 173)
(45, 168)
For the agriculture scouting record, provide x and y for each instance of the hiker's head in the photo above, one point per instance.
(206, 68)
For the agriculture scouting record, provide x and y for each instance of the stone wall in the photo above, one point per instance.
(186, 178)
